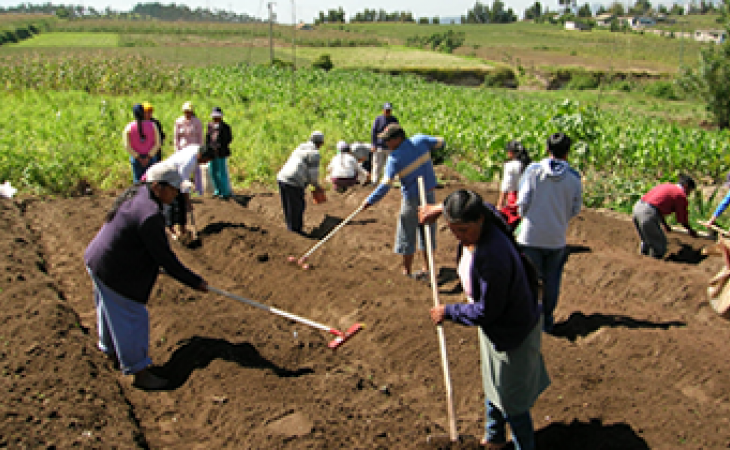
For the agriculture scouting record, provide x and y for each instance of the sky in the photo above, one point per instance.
(289, 11)
(304, 10)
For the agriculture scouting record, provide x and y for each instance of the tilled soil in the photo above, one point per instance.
(639, 361)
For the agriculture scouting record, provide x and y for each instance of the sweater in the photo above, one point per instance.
(302, 167)
(505, 306)
(550, 195)
(128, 251)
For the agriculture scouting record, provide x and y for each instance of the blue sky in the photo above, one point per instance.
(306, 10)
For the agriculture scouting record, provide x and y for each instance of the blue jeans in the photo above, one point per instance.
(219, 174)
(549, 263)
(137, 169)
(523, 432)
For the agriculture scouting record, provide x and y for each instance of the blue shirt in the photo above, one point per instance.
(412, 159)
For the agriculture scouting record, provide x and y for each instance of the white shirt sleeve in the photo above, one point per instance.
(511, 176)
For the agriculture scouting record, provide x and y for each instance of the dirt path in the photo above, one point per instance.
(640, 361)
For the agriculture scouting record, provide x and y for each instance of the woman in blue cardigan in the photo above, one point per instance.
(501, 286)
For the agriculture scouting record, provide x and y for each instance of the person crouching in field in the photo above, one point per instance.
(124, 260)
(184, 161)
(142, 141)
(344, 170)
(517, 161)
(501, 286)
(649, 212)
(299, 171)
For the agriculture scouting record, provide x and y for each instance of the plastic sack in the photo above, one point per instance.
(718, 289)
(7, 191)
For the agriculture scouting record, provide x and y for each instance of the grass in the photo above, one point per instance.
(385, 57)
(70, 40)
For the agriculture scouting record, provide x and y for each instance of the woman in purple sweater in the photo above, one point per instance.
(501, 287)
(124, 260)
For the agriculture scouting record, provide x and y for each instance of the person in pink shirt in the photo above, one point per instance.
(142, 141)
(189, 131)
(649, 212)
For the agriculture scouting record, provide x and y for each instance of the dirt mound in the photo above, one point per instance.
(638, 360)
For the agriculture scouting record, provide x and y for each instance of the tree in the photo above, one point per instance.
(617, 9)
(534, 11)
(436, 20)
(585, 11)
(62, 13)
(568, 5)
(676, 10)
(480, 13)
(710, 81)
(662, 9)
(640, 7)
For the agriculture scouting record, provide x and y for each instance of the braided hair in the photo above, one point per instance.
(138, 112)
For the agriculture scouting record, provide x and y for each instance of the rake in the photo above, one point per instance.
(340, 336)
(302, 261)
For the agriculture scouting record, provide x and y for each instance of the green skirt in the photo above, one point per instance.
(514, 379)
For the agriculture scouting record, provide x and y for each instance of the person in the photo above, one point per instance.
(549, 196)
(219, 137)
(344, 170)
(517, 161)
(142, 142)
(649, 211)
(719, 210)
(299, 171)
(184, 161)
(124, 260)
(148, 110)
(189, 131)
(409, 159)
(378, 149)
(501, 286)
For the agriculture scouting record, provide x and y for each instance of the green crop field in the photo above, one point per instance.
(71, 40)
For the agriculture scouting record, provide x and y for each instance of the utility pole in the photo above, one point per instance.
(271, 32)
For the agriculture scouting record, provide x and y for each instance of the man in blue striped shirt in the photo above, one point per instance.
(409, 159)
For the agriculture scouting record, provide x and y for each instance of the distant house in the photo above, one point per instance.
(604, 20)
(576, 26)
(304, 27)
(639, 21)
(716, 36)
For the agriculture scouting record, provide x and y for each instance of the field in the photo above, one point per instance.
(637, 362)
(637, 359)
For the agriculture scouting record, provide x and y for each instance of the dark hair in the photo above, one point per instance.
(520, 153)
(465, 206)
(123, 197)
(688, 181)
(138, 112)
(558, 144)
(206, 151)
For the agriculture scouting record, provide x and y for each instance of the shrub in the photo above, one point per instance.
(323, 62)
(583, 81)
(662, 89)
(500, 77)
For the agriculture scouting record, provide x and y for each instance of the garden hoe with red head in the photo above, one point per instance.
(453, 438)
(302, 262)
(340, 336)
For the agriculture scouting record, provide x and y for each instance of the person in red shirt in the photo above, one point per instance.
(649, 213)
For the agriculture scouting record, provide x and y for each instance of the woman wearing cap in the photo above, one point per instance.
(501, 286)
(148, 110)
(344, 170)
(124, 260)
(142, 141)
(188, 131)
(219, 138)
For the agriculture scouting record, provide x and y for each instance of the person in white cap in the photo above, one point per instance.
(188, 131)
(124, 260)
(299, 171)
(378, 148)
(344, 169)
(219, 138)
